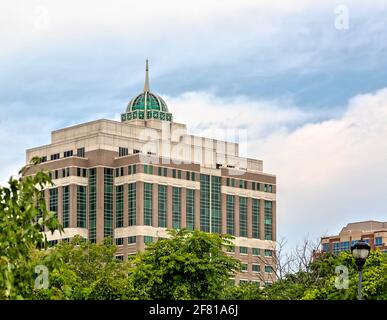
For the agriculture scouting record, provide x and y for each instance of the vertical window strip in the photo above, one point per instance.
(204, 202)
(108, 202)
(119, 206)
(242, 216)
(162, 206)
(268, 220)
(216, 215)
(176, 207)
(93, 204)
(255, 218)
(81, 206)
(66, 206)
(190, 209)
(132, 204)
(54, 200)
(148, 204)
(230, 208)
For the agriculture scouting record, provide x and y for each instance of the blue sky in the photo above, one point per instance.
(310, 95)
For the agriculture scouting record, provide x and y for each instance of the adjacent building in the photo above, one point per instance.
(134, 179)
(373, 232)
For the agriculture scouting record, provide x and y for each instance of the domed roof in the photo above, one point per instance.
(146, 105)
(147, 100)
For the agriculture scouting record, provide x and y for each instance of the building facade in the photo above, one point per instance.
(132, 180)
(373, 232)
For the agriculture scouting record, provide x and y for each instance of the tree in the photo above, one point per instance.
(23, 215)
(83, 270)
(189, 265)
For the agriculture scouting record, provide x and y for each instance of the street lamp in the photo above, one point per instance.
(360, 251)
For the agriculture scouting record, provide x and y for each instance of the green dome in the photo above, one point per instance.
(146, 105)
(147, 101)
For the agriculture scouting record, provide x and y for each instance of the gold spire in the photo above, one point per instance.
(146, 85)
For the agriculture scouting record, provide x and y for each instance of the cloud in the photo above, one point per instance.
(329, 172)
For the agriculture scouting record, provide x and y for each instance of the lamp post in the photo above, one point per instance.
(360, 251)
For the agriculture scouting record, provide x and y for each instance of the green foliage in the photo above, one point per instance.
(245, 291)
(189, 265)
(82, 270)
(374, 284)
(23, 215)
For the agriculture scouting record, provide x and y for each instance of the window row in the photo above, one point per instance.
(254, 251)
(252, 185)
(255, 268)
(66, 154)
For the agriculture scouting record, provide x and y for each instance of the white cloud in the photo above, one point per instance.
(329, 172)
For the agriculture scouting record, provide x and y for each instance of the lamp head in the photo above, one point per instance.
(360, 251)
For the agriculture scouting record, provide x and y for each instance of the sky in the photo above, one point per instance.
(306, 81)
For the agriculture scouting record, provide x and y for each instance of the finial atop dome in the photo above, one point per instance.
(146, 85)
(146, 105)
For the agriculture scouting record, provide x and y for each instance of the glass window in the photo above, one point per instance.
(122, 152)
(67, 154)
(325, 247)
(66, 206)
(190, 209)
(253, 185)
(81, 152)
(378, 241)
(268, 253)
(336, 247)
(256, 252)
(193, 178)
(179, 174)
(242, 216)
(174, 173)
(256, 268)
(108, 202)
(243, 250)
(266, 188)
(268, 269)
(92, 204)
(255, 218)
(160, 171)
(230, 208)
(119, 241)
(270, 188)
(165, 170)
(176, 207)
(232, 182)
(120, 257)
(268, 220)
(245, 184)
(162, 205)
(240, 183)
(132, 239)
(244, 267)
(205, 203)
(345, 246)
(81, 206)
(147, 204)
(148, 239)
(54, 156)
(54, 201)
(228, 182)
(119, 206)
(187, 175)
(132, 204)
